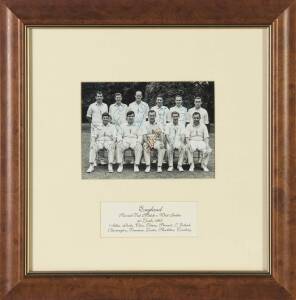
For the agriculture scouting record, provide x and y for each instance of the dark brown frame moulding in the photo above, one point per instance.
(15, 17)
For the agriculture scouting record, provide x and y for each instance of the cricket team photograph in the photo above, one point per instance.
(139, 138)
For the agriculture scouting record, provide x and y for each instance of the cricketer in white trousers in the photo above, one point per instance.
(196, 136)
(160, 153)
(100, 145)
(104, 137)
(129, 136)
(175, 135)
(154, 137)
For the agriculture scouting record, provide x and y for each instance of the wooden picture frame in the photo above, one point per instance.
(15, 16)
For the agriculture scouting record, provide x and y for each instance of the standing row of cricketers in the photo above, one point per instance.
(124, 127)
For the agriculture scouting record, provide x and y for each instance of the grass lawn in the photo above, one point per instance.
(101, 171)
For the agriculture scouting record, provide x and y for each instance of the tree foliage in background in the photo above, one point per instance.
(168, 90)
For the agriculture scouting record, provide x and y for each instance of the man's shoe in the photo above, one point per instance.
(205, 168)
(159, 169)
(147, 170)
(110, 168)
(136, 169)
(90, 169)
(170, 169)
(180, 169)
(120, 168)
(191, 169)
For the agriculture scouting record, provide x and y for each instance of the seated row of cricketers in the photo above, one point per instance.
(148, 137)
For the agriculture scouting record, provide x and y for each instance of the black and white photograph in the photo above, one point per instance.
(139, 130)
